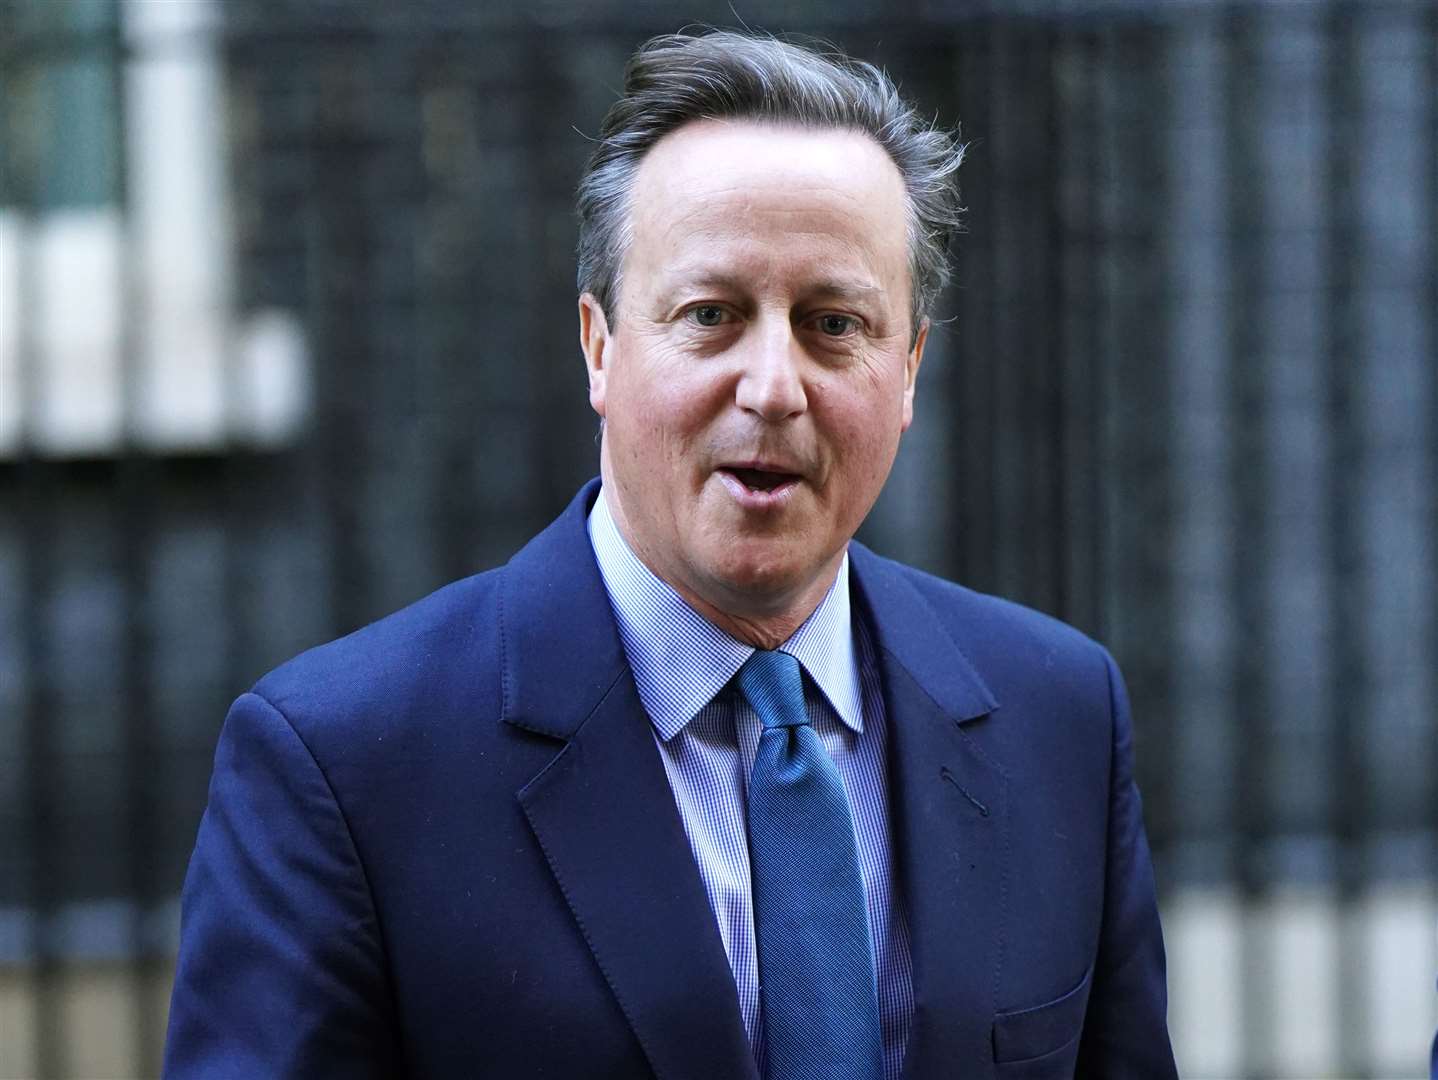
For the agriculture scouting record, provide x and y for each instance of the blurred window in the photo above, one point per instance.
(117, 326)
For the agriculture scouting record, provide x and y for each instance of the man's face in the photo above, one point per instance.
(757, 373)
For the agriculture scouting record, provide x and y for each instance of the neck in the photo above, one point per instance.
(761, 631)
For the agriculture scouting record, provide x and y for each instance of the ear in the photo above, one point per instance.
(594, 341)
(911, 372)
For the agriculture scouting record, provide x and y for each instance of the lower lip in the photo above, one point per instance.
(752, 499)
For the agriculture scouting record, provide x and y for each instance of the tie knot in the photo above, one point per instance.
(774, 685)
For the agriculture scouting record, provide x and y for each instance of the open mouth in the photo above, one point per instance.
(761, 479)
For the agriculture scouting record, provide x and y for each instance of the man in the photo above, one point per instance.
(694, 786)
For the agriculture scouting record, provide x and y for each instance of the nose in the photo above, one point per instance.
(770, 381)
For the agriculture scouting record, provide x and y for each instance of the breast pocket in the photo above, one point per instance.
(1042, 1043)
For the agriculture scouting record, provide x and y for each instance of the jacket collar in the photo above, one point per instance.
(910, 632)
(552, 602)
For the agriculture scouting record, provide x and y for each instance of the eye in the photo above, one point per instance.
(706, 315)
(836, 325)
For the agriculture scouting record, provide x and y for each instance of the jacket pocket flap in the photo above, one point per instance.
(1031, 1033)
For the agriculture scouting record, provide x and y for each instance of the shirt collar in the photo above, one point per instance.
(681, 660)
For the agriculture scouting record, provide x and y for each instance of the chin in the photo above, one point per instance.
(761, 582)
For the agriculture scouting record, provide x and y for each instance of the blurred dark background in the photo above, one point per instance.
(288, 339)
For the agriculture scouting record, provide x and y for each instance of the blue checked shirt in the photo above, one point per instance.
(707, 736)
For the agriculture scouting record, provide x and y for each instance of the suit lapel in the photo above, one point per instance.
(949, 821)
(604, 815)
(606, 819)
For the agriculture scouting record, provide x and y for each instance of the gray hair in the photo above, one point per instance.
(723, 74)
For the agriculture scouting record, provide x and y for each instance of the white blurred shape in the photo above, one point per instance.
(11, 239)
(77, 393)
(1296, 934)
(1397, 928)
(177, 206)
(274, 395)
(1203, 931)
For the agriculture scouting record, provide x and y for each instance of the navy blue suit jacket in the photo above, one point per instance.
(445, 846)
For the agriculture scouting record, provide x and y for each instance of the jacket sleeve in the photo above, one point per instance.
(281, 970)
(1125, 1035)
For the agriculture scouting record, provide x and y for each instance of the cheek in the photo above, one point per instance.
(659, 375)
(654, 429)
(865, 421)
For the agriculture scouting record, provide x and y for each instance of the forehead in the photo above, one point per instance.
(753, 191)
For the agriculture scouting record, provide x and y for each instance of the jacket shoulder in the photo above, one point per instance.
(984, 623)
(440, 648)
(1023, 660)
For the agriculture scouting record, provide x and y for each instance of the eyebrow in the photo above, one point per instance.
(840, 289)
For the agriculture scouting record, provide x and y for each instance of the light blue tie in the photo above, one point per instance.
(816, 969)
